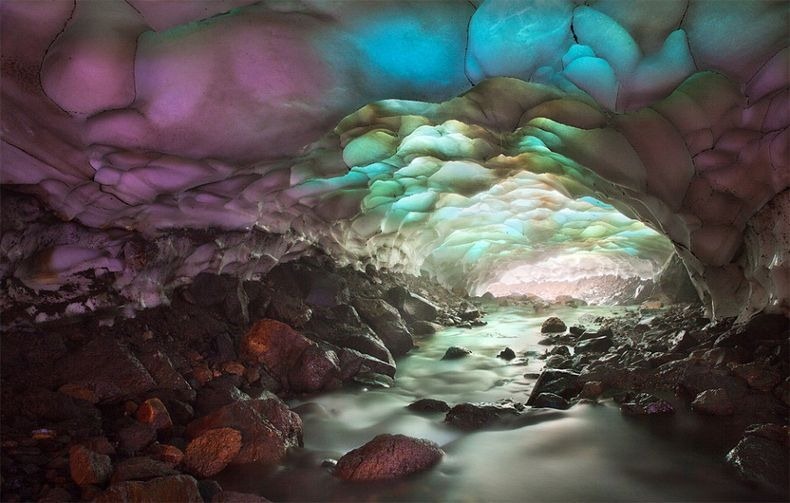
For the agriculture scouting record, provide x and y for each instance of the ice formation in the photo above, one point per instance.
(466, 139)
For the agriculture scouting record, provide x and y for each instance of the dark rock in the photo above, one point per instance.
(552, 325)
(181, 488)
(429, 405)
(290, 310)
(715, 402)
(210, 289)
(396, 295)
(507, 354)
(372, 379)
(595, 345)
(209, 489)
(88, 467)
(160, 367)
(645, 404)
(564, 383)
(473, 416)
(223, 347)
(419, 308)
(136, 437)
(682, 342)
(354, 363)
(167, 453)
(154, 413)
(576, 330)
(591, 389)
(211, 451)
(561, 351)
(423, 328)
(106, 370)
(49, 407)
(237, 497)
(388, 457)
(456, 352)
(298, 363)
(558, 362)
(762, 462)
(550, 401)
(327, 290)
(758, 376)
(776, 432)
(387, 323)
(218, 392)
(767, 326)
(141, 468)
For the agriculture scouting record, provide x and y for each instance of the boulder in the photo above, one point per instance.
(136, 437)
(758, 376)
(419, 308)
(154, 413)
(354, 363)
(161, 369)
(715, 402)
(429, 405)
(141, 468)
(456, 352)
(423, 328)
(473, 416)
(298, 363)
(106, 369)
(772, 431)
(564, 383)
(645, 404)
(550, 401)
(591, 389)
(552, 325)
(181, 488)
(210, 452)
(762, 462)
(594, 345)
(88, 467)
(388, 457)
(506, 354)
(386, 321)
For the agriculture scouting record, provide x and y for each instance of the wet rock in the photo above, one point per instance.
(107, 369)
(298, 363)
(422, 328)
(594, 345)
(762, 462)
(506, 354)
(591, 389)
(552, 325)
(141, 468)
(561, 351)
(550, 401)
(136, 437)
(154, 413)
(237, 497)
(576, 330)
(558, 362)
(645, 404)
(354, 364)
(88, 467)
(456, 352)
(374, 380)
(776, 432)
(429, 405)
(714, 402)
(564, 383)
(419, 308)
(210, 452)
(181, 488)
(473, 416)
(758, 376)
(386, 321)
(388, 457)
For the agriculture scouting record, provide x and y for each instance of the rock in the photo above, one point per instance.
(141, 468)
(135, 437)
(209, 289)
(561, 351)
(327, 290)
(209, 489)
(576, 330)
(557, 362)
(353, 363)
(456, 352)
(386, 321)
(715, 402)
(388, 457)
(236, 497)
(209, 453)
(220, 391)
(758, 376)
(50, 407)
(594, 345)
(167, 453)
(762, 462)
(298, 363)
(88, 467)
(682, 342)
(429, 405)
(107, 369)
(507, 354)
(261, 441)
(591, 389)
(551, 401)
(161, 369)
(776, 432)
(422, 328)
(473, 416)
(645, 404)
(419, 308)
(288, 309)
(564, 383)
(552, 325)
(154, 413)
(181, 488)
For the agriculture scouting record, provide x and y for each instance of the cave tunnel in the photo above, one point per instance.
(484, 250)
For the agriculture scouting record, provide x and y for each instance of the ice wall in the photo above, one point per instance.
(151, 116)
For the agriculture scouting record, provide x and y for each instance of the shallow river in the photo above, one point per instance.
(588, 453)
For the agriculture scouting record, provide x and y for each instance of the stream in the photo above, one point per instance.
(587, 453)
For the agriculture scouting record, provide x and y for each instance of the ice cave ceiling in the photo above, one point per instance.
(465, 138)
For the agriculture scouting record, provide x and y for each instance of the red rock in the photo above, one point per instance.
(388, 457)
(210, 453)
(234, 368)
(298, 363)
(141, 468)
(154, 413)
(202, 373)
(167, 453)
(177, 488)
(88, 467)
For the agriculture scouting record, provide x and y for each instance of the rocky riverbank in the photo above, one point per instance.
(110, 409)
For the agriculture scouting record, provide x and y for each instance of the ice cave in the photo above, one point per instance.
(391, 250)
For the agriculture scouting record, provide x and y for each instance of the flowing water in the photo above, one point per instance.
(587, 453)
